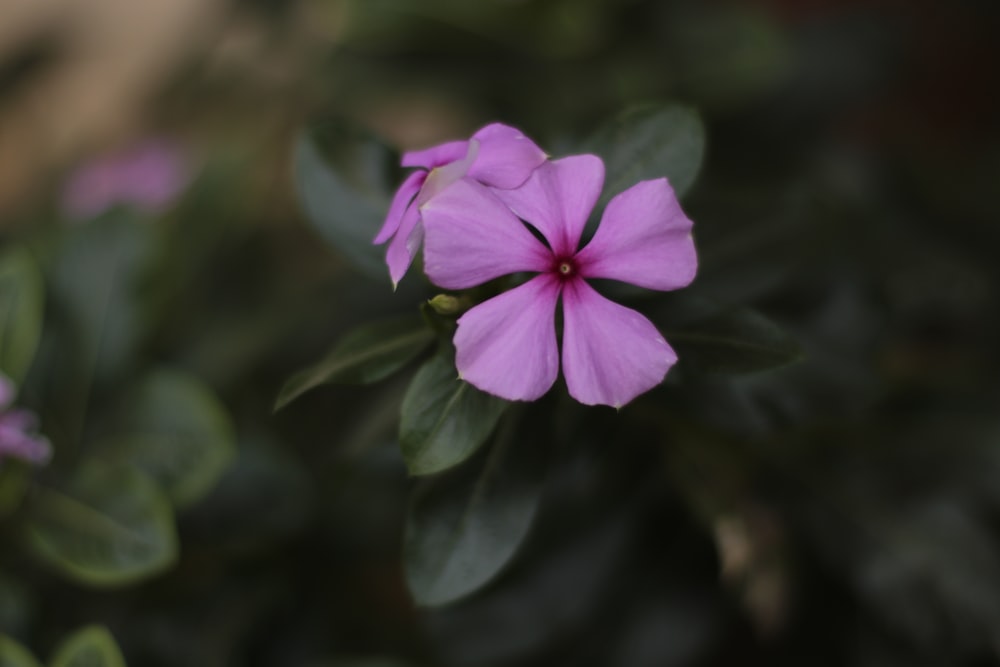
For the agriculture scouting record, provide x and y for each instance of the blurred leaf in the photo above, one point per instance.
(15, 604)
(263, 498)
(14, 478)
(21, 311)
(111, 527)
(178, 433)
(367, 354)
(12, 654)
(465, 526)
(92, 646)
(343, 190)
(444, 420)
(95, 277)
(740, 341)
(649, 142)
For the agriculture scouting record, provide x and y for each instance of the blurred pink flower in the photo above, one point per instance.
(507, 345)
(17, 426)
(147, 176)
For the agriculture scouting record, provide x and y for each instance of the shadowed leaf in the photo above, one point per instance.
(110, 527)
(367, 354)
(92, 646)
(444, 420)
(740, 341)
(465, 526)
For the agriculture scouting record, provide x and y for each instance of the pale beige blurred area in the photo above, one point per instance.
(101, 62)
(82, 77)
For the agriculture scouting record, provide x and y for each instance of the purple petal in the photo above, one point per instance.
(405, 244)
(507, 346)
(506, 157)
(471, 238)
(611, 353)
(436, 156)
(404, 195)
(558, 199)
(644, 238)
(18, 419)
(19, 445)
(440, 178)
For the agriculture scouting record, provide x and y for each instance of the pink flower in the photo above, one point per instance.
(497, 155)
(16, 427)
(148, 176)
(507, 346)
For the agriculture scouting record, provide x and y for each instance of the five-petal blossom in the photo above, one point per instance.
(507, 345)
(497, 155)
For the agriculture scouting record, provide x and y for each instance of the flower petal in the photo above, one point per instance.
(405, 244)
(558, 199)
(436, 156)
(20, 445)
(507, 346)
(471, 238)
(644, 238)
(611, 353)
(441, 177)
(404, 195)
(506, 157)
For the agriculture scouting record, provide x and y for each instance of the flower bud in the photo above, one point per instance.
(445, 304)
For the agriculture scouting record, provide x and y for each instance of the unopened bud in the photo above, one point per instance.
(445, 304)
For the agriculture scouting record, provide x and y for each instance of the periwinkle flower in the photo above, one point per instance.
(17, 426)
(497, 155)
(507, 345)
(147, 176)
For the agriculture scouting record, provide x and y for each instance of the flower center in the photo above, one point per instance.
(566, 268)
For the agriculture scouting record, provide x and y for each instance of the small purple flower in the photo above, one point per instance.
(497, 155)
(148, 176)
(16, 428)
(507, 345)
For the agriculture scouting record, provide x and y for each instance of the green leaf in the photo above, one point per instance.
(343, 189)
(112, 526)
(16, 604)
(95, 278)
(177, 432)
(444, 420)
(649, 142)
(13, 654)
(739, 341)
(465, 526)
(15, 477)
(21, 310)
(92, 646)
(365, 355)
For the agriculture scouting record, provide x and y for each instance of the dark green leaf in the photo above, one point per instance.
(740, 341)
(111, 527)
(95, 280)
(178, 433)
(444, 420)
(12, 654)
(344, 192)
(92, 646)
(649, 142)
(465, 526)
(14, 479)
(365, 355)
(15, 604)
(21, 307)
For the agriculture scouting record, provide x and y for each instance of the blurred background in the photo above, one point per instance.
(163, 272)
